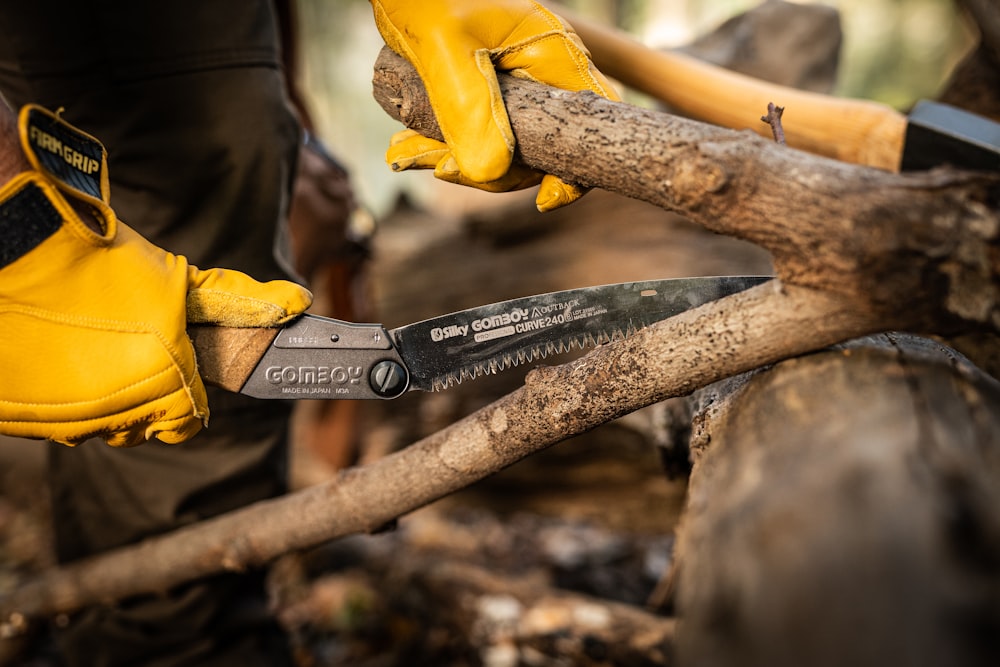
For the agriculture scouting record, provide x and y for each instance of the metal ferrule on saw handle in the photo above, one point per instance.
(323, 358)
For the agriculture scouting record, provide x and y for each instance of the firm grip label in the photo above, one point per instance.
(65, 153)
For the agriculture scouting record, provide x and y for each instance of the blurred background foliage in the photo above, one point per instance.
(894, 51)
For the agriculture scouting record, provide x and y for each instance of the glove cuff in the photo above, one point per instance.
(69, 180)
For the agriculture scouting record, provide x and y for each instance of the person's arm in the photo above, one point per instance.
(12, 159)
(93, 319)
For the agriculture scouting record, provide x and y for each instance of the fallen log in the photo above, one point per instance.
(844, 508)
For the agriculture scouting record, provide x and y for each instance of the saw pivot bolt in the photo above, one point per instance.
(388, 379)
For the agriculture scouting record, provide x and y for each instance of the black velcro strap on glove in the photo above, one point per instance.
(27, 218)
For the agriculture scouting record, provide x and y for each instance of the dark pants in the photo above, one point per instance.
(188, 96)
(104, 497)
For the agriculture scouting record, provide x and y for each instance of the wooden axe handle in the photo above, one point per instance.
(856, 131)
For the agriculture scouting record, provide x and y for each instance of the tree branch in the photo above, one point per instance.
(919, 250)
(738, 333)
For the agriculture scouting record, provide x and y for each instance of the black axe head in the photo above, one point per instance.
(939, 134)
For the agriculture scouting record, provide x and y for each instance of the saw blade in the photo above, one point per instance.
(447, 350)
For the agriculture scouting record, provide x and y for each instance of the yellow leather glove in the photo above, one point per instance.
(93, 325)
(457, 46)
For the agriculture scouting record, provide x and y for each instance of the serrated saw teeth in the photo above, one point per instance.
(510, 359)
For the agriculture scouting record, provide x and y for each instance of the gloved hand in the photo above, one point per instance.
(93, 325)
(457, 46)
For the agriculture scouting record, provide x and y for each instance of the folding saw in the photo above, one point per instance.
(316, 357)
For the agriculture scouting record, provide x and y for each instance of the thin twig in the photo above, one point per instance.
(773, 118)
